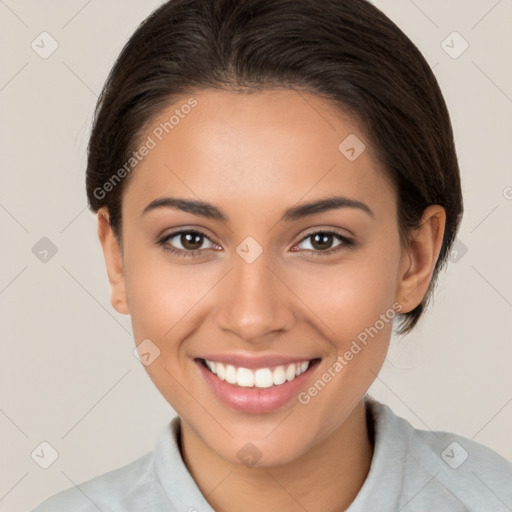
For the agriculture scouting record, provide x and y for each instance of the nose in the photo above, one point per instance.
(254, 303)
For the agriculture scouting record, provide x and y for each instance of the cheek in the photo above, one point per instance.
(351, 296)
(163, 294)
(166, 307)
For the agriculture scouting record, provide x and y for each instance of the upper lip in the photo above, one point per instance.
(253, 362)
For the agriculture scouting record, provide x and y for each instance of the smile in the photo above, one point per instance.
(255, 384)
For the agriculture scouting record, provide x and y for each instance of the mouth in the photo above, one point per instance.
(258, 389)
(261, 378)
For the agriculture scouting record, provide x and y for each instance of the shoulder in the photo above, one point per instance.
(159, 480)
(121, 485)
(440, 465)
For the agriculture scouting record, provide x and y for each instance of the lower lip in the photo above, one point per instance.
(255, 400)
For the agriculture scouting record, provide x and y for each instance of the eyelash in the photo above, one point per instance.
(345, 243)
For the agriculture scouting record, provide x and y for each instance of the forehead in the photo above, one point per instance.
(268, 147)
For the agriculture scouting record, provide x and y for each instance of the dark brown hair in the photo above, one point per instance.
(346, 51)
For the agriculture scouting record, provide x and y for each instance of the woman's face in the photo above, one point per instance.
(260, 283)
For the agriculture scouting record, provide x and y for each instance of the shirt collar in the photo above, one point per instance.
(380, 491)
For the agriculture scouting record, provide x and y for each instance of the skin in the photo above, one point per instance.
(253, 156)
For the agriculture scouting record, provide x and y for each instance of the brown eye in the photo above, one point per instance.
(185, 243)
(323, 242)
(191, 240)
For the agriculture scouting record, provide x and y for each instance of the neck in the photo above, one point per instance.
(327, 478)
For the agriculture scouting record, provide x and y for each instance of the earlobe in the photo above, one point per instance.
(113, 261)
(420, 257)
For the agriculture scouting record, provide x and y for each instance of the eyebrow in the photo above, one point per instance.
(294, 213)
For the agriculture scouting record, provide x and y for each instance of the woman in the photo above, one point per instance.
(276, 185)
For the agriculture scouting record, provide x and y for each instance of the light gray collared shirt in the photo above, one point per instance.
(412, 470)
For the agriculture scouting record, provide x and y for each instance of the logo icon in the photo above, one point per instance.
(352, 147)
(44, 250)
(454, 455)
(44, 455)
(454, 45)
(146, 352)
(249, 454)
(459, 250)
(249, 250)
(44, 45)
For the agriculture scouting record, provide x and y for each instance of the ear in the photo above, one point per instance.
(420, 257)
(114, 262)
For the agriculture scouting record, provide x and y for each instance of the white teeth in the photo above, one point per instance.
(244, 377)
(221, 371)
(260, 378)
(230, 374)
(279, 375)
(290, 372)
(263, 378)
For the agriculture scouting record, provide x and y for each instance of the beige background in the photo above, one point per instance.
(68, 374)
